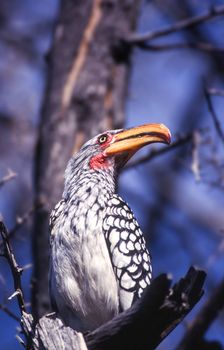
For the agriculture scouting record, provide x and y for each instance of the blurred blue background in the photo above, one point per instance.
(180, 213)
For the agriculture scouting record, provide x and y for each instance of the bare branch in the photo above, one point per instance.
(138, 39)
(155, 153)
(21, 342)
(9, 176)
(196, 46)
(15, 269)
(204, 319)
(214, 116)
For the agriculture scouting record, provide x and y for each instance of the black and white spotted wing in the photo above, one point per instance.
(129, 255)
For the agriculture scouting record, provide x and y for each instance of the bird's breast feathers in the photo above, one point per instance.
(81, 268)
(99, 258)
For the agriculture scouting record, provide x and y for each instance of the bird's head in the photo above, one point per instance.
(116, 147)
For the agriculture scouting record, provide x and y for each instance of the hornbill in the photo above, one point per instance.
(99, 263)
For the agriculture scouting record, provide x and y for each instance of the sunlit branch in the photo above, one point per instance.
(214, 116)
(9, 176)
(136, 39)
(215, 92)
(195, 165)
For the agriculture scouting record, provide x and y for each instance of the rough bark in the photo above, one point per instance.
(142, 327)
(51, 334)
(85, 94)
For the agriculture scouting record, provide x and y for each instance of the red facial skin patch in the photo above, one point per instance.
(99, 162)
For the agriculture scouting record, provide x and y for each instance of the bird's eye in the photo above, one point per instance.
(102, 139)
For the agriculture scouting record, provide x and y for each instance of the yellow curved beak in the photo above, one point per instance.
(131, 140)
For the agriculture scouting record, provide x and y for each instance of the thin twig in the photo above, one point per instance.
(20, 221)
(154, 153)
(15, 269)
(20, 340)
(9, 312)
(136, 39)
(196, 46)
(215, 92)
(214, 116)
(7, 177)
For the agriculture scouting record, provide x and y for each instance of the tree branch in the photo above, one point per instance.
(9, 176)
(214, 116)
(195, 164)
(196, 46)
(15, 269)
(138, 39)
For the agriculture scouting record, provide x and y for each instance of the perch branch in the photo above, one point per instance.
(153, 317)
(143, 326)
